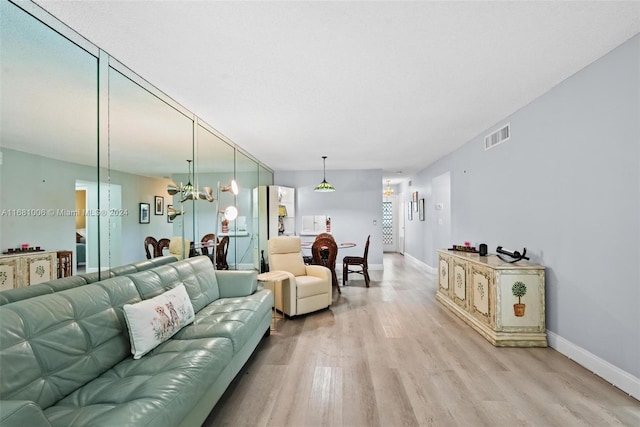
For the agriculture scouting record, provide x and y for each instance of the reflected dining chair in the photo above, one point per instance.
(162, 245)
(357, 261)
(205, 239)
(324, 251)
(221, 254)
(150, 242)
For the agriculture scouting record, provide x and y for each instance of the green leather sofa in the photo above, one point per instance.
(51, 286)
(65, 357)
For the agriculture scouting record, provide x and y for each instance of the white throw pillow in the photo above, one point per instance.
(155, 320)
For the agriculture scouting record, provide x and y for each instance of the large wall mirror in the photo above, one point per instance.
(245, 228)
(48, 139)
(214, 169)
(149, 145)
(88, 148)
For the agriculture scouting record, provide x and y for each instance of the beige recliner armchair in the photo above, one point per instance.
(309, 286)
(175, 247)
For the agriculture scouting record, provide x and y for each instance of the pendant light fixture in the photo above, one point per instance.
(324, 186)
(189, 186)
(388, 191)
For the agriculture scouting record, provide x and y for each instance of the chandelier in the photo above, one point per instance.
(388, 191)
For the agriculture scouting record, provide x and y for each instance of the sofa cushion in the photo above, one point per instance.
(151, 283)
(62, 341)
(156, 391)
(233, 318)
(199, 278)
(51, 286)
(123, 270)
(96, 276)
(155, 320)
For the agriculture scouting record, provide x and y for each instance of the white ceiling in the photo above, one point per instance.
(389, 85)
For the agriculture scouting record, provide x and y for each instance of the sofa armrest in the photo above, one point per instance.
(21, 413)
(236, 283)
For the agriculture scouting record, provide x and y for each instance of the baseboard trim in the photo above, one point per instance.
(605, 370)
(423, 264)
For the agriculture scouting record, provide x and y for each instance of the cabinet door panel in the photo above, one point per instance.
(9, 274)
(41, 269)
(521, 301)
(459, 284)
(444, 275)
(482, 294)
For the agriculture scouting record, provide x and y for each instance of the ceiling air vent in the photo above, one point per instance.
(497, 137)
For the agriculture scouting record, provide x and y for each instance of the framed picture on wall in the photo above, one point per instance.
(169, 220)
(415, 201)
(421, 209)
(410, 212)
(159, 202)
(144, 213)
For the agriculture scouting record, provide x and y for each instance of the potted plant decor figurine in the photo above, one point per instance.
(519, 290)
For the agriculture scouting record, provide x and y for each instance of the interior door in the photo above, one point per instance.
(390, 229)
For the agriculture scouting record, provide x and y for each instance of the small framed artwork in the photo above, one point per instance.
(159, 202)
(415, 201)
(421, 209)
(169, 220)
(144, 213)
(410, 212)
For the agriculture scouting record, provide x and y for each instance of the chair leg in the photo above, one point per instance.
(345, 274)
(365, 271)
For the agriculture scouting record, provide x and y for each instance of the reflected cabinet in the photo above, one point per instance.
(504, 302)
(27, 269)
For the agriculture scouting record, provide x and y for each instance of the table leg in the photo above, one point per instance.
(278, 291)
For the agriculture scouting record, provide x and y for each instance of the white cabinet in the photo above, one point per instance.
(27, 269)
(277, 214)
(312, 225)
(504, 302)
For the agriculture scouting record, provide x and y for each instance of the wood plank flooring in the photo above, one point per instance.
(390, 355)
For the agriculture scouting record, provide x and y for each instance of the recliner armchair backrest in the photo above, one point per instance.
(175, 247)
(285, 255)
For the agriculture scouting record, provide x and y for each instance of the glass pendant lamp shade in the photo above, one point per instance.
(189, 186)
(324, 186)
(232, 187)
(230, 213)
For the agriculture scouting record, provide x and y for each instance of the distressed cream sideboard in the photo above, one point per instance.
(27, 268)
(480, 290)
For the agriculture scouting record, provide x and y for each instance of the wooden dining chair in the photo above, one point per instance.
(357, 261)
(324, 251)
(150, 242)
(327, 235)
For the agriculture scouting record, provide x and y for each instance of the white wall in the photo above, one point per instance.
(30, 181)
(353, 207)
(567, 187)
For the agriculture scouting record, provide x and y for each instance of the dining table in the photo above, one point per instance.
(334, 276)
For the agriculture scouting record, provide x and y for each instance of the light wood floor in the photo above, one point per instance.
(390, 355)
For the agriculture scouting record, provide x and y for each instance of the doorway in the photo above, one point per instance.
(391, 225)
(102, 232)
